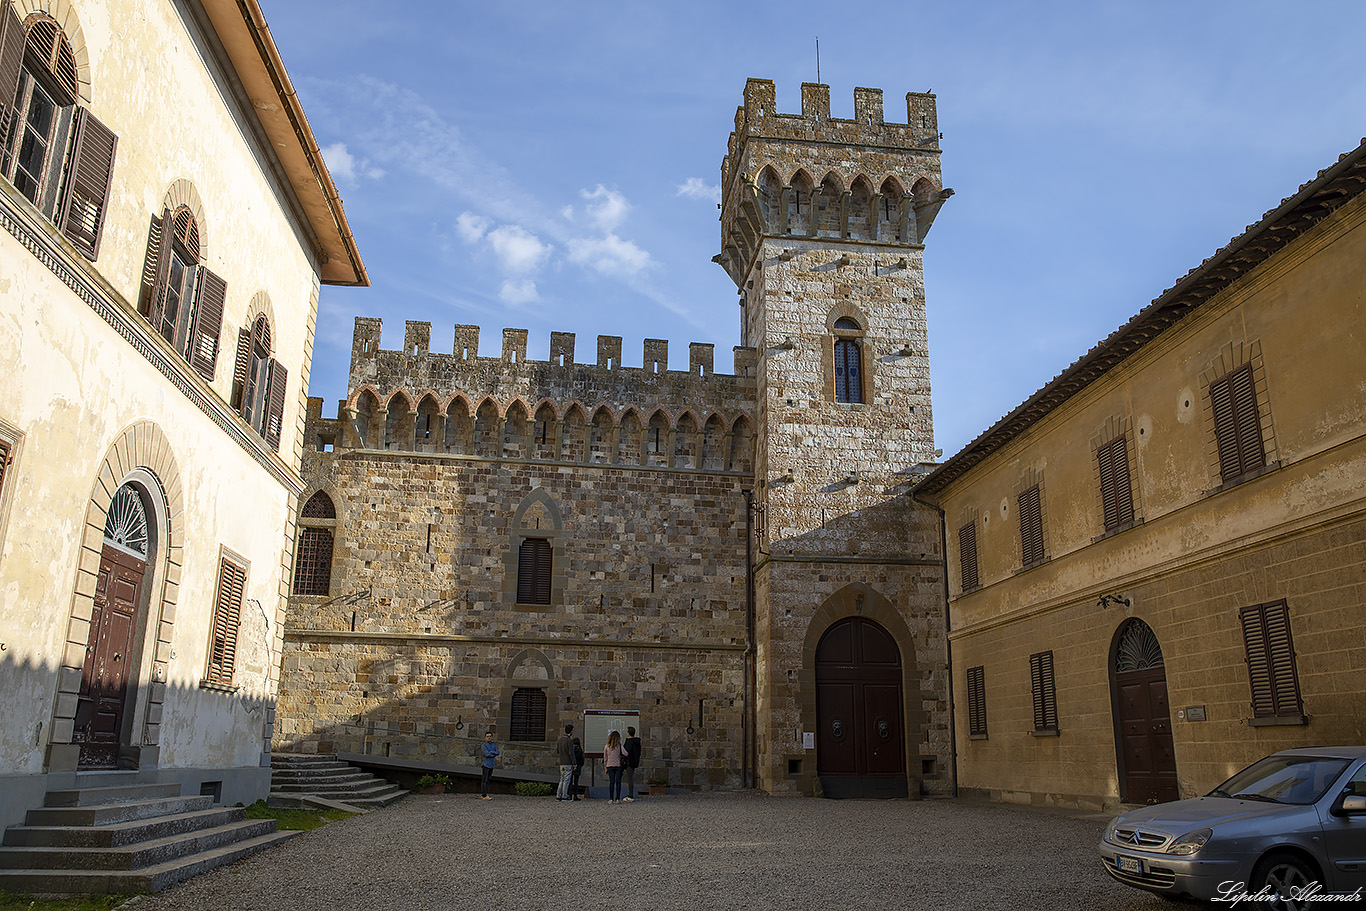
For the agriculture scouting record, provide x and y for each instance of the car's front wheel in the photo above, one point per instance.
(1288, 876)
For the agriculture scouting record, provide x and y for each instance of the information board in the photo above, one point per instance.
(597, 724)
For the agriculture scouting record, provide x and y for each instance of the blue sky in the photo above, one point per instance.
(552, 166)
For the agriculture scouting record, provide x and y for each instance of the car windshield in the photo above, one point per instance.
(1284, 779)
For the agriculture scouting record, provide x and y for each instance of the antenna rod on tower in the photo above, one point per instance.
(818, 59)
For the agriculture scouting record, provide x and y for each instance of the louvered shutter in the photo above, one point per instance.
(528, 715)
(12, 39)
(1045, 692)
(1031, 527)
(4, 463)
(1271, 667)
(1116, 491)
(239, 372)
(1237, 424)
(157, 267)
(533, 571)
(227, 616)
(967, 555)
(977, 702)
(208, 323)
(275, 404)
(85, 194)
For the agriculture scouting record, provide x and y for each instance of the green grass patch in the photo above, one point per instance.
(19, 901)
(302, 820)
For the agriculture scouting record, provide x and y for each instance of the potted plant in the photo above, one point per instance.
(658, 786)
(433, 784)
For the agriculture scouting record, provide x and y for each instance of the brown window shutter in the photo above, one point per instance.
(239, 372)
(1031, 527)
(4, 463)
(1271, 669)
(313, 562)
(85, 195)
(1116, 490)
(528, 715)
(967, 555)
(275, 403)
(1237, 424)
(156, 268)
(227, 615)
(1044, 690)
(977, 702)
(211, 296)
(533, 571)
(12, 39)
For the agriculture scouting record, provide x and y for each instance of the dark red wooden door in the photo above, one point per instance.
(104, 677)
(1146, 735)
(860, 739)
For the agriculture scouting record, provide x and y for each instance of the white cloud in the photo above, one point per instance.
(522, 291)
(607, 208)
(341, 163)
(610, 255)
(697, 188)
(518, 250)
(471, 227)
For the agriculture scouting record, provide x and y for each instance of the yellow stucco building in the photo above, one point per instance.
(167, 220)
(1157, 564)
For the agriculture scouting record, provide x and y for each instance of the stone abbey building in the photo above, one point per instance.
(491, 542)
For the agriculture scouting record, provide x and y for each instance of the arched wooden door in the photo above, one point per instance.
(1147, 759)
(860, 739)
(105, 675)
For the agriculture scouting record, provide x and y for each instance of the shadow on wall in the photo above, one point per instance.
(28, 684)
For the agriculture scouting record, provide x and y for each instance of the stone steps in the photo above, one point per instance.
(121, 836)
(294, 779)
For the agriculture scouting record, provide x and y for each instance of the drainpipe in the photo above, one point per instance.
(948, 643)
(750, 746)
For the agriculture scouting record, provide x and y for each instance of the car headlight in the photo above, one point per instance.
(1110, 830)
(1190, 842)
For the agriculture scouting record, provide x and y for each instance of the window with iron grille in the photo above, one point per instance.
(528, 714)
(1271, 667)
(1045, 693)
(313, 562)
(1116, 492)
(533, 571)
(59, 156)
(1237, 424)
(227, 616)
(977, 702)
(967, 556)
(1031, 527)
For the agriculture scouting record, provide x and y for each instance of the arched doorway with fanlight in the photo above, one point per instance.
(1145, 755)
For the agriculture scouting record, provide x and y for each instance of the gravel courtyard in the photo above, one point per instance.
(724, 851)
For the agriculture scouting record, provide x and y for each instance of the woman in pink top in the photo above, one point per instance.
(613, 757)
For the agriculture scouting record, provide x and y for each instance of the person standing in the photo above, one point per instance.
(632, 763)
(491, 753)
(578, 768)
(564, 752)
(613, 756)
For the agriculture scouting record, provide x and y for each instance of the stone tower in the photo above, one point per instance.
(823, 225)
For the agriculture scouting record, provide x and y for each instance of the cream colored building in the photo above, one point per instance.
(1157, 564)
(167, 222)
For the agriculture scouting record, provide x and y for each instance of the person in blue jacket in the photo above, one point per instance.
(491, 753)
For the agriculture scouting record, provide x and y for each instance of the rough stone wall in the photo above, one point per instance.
(421, 641)
(824, 220)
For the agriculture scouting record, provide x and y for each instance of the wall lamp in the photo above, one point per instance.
(1107, 600)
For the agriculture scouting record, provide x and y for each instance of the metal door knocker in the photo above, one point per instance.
(884, 730)
(837, 730)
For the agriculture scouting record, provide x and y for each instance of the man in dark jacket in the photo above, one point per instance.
(632, 747)
(564, 752)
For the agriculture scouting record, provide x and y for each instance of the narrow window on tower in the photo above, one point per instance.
(848, 361)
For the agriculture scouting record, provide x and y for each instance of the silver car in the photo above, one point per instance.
(1291, 825)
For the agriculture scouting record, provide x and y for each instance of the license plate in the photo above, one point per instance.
(1129, 864)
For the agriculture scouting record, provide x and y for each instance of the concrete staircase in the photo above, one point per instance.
(298, 780)
(120, 836)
